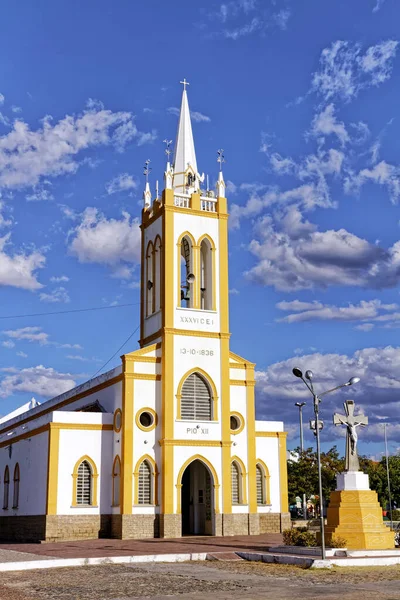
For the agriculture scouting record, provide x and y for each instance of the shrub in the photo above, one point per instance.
(337, 542)
(299, 537)
(396, 515)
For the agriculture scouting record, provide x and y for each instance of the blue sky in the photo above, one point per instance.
(303, 97)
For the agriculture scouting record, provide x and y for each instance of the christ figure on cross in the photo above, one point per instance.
(351, 422)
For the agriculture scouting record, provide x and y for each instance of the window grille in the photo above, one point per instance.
(144, 495)
(260, 485)
(235, 484)
(84, 484)
(16, 487)
(6, 487)
(196, 399)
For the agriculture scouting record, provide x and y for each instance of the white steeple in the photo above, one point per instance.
(185, 155)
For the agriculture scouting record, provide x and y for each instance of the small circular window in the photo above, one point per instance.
(146, 419)
(236, 423)
(117, 420)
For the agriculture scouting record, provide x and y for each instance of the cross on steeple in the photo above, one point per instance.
(351, 422)
(185, 83)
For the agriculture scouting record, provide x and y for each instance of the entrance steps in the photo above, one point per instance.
(225, 556)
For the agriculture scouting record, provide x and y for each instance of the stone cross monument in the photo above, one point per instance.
(351, 422)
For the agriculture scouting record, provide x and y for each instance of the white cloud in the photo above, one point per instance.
(345, 70)
(39, 195)
(8, 344)
(2, 98)
(377, 393)
(60, 279)
(319, 259)
(244, 17)
(22, 354)
(19, 269)
(325, 123)
(59, 294)
(54, 149)
(315, 311)
(365, 327)
(30, 334)
(38, 380)
(196, 116)
(3, 221)
(234, 292)
(378, 5)
(16, 109)
(105, 241)
(121, 183)
(382, 173)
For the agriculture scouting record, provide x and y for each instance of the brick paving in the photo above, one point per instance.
(111, 547)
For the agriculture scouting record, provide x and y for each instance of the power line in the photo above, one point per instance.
(115, 353)
(63, 312)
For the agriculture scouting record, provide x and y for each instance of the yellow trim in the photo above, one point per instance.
(127, 437)
(116, 460)
(271, 434)
(52, 468)
(154, 485)
(178, 264)
(83, 426)
(237, 366)
(283, 478)
(116, 413)
(242, 382)
(214, 416)
(242, 361)
(213, 267)
(95, 477)
(136, 355)
(212, 443)
(54, 407)
(266, 482)
(194, 333)
(213, 473)
(143, 376)
(240, 417)
(142, 277)
(251, 438)
(153, 414)
(242, 481)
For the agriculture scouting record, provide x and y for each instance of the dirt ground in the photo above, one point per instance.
(201, 580)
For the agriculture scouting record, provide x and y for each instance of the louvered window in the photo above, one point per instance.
(16, 487)
(260, 485)
(6, 487)
(196, 399)
(84, 484)
(235, 475)
(144, 492)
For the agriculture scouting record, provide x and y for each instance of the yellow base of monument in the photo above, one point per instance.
(357, 517)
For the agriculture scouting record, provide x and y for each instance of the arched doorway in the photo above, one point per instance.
(197, 502)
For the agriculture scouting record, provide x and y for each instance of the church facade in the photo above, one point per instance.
(167, 443)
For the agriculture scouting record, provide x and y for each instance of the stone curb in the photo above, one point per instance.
(57, 563)
(312, 563)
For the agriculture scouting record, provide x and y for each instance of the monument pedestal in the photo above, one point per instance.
(355, 514)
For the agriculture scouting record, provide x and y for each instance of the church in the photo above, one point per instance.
(166, 444)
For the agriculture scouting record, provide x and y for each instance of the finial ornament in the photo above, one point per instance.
(168, 150)
(184, 83)
(147, 169)
(220, 158)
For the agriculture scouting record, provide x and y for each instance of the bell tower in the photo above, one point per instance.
(184, 304)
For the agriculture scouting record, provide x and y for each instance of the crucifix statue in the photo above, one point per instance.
(351, 422)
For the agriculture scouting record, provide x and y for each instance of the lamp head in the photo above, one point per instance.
(190, 278)
(353, 380)
(297, 373)
(300, 404)
(149, 285)
(309, 375)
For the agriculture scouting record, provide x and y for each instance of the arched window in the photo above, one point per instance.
(186, 273)
(6, 487)
(149, 280)
(84, 484)
(235, 482)
(145, 494)
(16, 487)
(206, 275)
(116, 481)
(196, 399)
(157, 274)
(262, 479)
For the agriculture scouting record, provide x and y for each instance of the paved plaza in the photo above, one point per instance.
(200, 581)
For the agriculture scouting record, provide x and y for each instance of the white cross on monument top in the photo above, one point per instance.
(185, 83)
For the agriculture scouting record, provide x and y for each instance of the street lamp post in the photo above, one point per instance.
(300, 407)
(388, 476)
(317, 399)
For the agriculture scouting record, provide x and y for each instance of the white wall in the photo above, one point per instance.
(267, 449)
